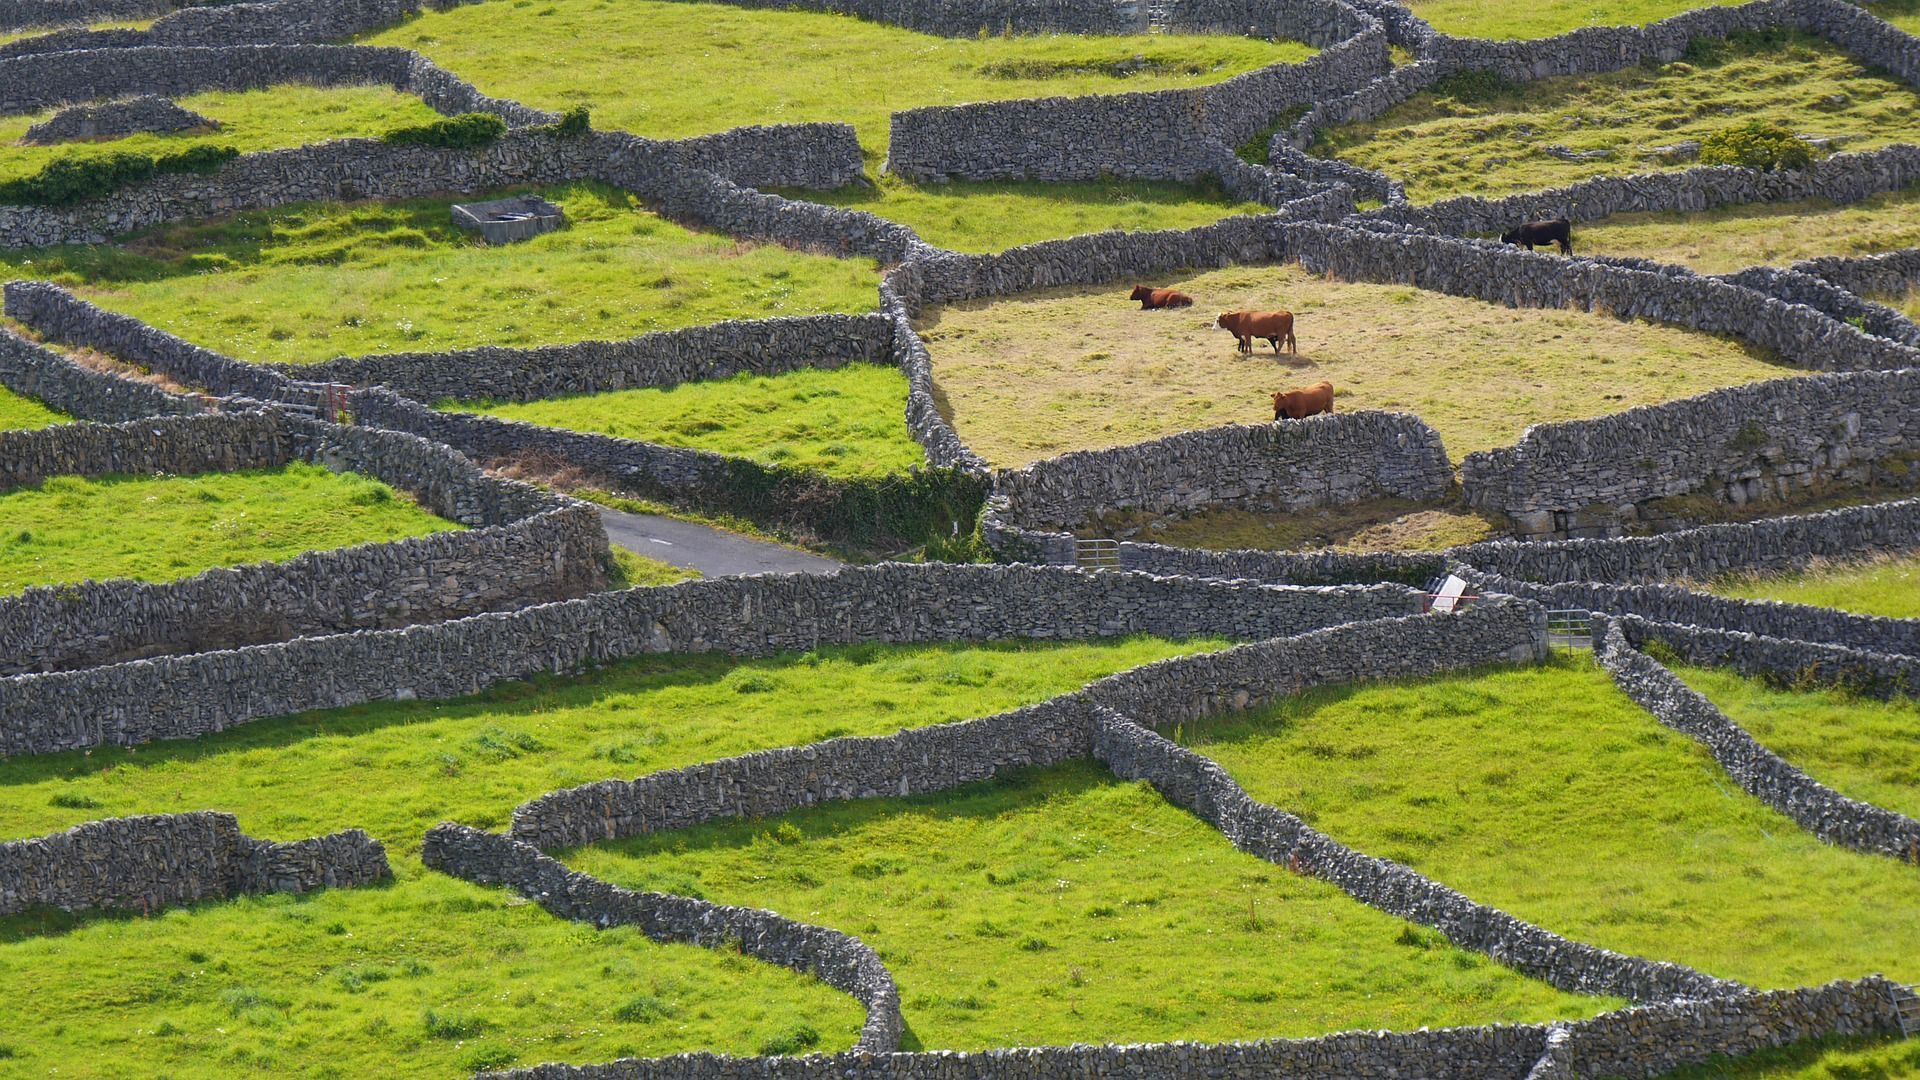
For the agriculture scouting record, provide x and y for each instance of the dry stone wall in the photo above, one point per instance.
(1641, 1042)
(1710, 551)
(1779, 661)
(1745, 444)
(1796, 287)
(666, 358)
(1671, 603)
(35, 371)
(167, 860)
(1759, 771)
(179, 697)
(842, 962)
(26, 14)
(115, 119)
(524, 545)
(1891, 273)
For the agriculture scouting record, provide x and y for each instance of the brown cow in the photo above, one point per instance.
(1274, 326)
(1159, 298)
(1302, 403)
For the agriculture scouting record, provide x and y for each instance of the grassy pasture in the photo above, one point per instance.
(1885, 586)
(1469, 139)
(1816, 1059)
(1858, 746)
(992, 216)
(1732, 238)
(1904, 14)
(430, 976)
(1496, 19)
(670, 70)
(1080, 368)
(9, 36)
(18, 412)
(1064, 906)
(250, 121)
(849, 421)
(71, 528)
(311, 282)
(1549, 794)
(338, 983)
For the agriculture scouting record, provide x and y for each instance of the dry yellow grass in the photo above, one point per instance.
(1080, 368)
(1761, 234)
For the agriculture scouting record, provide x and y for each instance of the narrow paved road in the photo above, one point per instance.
(713, 552)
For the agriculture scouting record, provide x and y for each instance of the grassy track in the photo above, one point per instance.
(1080, 368)
(848, 421)
(1889, 587)
(1473, 142)
(1063, 906)
(307, 283)
(980, 217)
(1759, 234)
(18, 412)
(1546, 792)
(1371, 525)
(430, 977)
(251, 120)
(72, 528)
(670, 70)
(1858, 746)
(1498, 19)
(343, 961)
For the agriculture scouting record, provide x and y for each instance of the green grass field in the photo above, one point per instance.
(1062, 906)
(1549, 794)
(430, 977)
(307, 283)
(1471, 141)
(1758, 234)
(1884, 586)
(71, 528)
(1080, 368)
(1494, 19)
(18, 412)
(250, 121)
(328, 985)
(1817, 1059)
(1904, 14)
(9, 36)
(1860, 747)
(670, 70)
(983, 217)
(849, 421)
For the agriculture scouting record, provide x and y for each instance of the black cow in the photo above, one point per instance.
(1558, 231)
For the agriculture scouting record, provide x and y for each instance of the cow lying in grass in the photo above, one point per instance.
(1304, 402)
(1274, 326)
(1159, 298)
(1558, 231)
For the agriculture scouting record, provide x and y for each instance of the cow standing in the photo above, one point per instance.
(1558, 231)
(1273, 326)
(1304, 402)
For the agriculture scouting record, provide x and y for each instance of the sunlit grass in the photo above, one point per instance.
(1549, 794)
(1440, 145)
(315, 281)
(1545, 18)
(849, 421)
(1732, 238)
(71, 528)
(250, 121)
(1080, 368)
(670, 70)
(1062, 906)
(993, 216)
(1888, 586)
(1860, 747)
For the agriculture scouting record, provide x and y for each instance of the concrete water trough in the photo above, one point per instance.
(505, 221)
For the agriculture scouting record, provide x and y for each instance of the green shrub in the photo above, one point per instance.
(75, 180)
(468, 131)
(1756, 145)
(572, 122)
